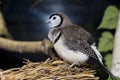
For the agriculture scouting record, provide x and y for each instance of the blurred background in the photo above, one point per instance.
(24, 21)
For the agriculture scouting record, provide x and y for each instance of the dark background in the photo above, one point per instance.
(25, 22)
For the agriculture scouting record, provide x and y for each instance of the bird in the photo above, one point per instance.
(73, 43)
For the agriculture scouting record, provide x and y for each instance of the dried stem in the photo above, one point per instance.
(48, 70)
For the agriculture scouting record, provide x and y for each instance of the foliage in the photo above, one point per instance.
(106, 40)
(108, 60)
(116, 78)
(109, 22)
(110, 18)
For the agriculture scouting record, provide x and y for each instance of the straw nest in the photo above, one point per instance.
(48, 70)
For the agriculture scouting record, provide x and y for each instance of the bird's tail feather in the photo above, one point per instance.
(108, 72)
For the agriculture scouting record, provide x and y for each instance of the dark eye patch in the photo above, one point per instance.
(54, 18)
(54, 15)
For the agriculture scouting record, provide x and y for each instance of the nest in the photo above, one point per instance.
(48, 70)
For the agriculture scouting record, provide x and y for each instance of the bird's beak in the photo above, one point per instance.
(47, 21)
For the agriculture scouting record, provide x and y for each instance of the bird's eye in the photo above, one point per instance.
(54, 18)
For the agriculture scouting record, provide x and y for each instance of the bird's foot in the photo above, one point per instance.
(70, 68)
(71, 65)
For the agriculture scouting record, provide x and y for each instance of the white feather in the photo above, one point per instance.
(69, 55)
(97, 53)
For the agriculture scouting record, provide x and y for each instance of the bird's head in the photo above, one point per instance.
(59, 19)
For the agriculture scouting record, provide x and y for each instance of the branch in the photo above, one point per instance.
(24, 46)
(116, 51)
(21, 46)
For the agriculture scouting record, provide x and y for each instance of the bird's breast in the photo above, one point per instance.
(69, 55)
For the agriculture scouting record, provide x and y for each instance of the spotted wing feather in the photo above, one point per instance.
(79, 40)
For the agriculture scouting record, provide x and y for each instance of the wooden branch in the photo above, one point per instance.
(25, 46)
(116, 51)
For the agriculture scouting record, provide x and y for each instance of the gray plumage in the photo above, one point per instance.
(75, 41)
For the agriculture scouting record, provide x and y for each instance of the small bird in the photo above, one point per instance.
(73, 43)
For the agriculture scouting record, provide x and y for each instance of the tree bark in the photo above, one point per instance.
(25, 46)
(116, 51)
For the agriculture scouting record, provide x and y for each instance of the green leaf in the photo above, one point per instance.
(117, 78)
(108, 60)
(110, 18)
(105, 42)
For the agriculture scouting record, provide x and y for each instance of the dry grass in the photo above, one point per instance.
(48, 70)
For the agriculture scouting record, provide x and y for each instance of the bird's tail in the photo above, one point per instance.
(108, 72)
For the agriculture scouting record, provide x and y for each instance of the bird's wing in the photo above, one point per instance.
(78, 39)
(81, 46)
(78, 32)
